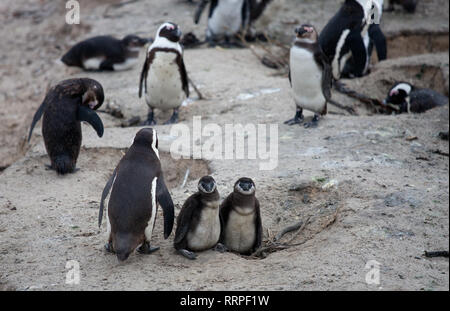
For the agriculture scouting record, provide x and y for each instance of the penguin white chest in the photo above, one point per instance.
(93, 63)
(164, 86)
(207, 233)
(306, 77)
(240, 231)
(226, 18)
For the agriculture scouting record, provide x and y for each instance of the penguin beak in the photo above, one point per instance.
(300, 31)
(208, 187)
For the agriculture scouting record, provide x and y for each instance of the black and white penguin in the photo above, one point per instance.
(226, 19)
(64, 107)
(341, 38)
(105, 53)
(310, 76)
(410, 99)
(164, 77)
(135, 189)
(372, 36)
(408, 5)
(198, 224)
(241, 216)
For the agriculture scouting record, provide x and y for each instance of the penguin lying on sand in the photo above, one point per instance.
(105, 53)
(408, 5)
(135, 189)
(64, 107)
(241, 216)
(310, 76)
(411, 99)
(198, 224)
(164, 78)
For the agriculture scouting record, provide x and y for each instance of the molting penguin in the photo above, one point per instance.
(372, 36)
(136, 188)
(105, 53)
(64, 107)
(164, 77)
(408, 5)
(198, 224)
(226, 18)
(341, 38)
(242, 227)
(411, 99)
(310, 76)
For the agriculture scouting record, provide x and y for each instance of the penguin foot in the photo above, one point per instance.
(149, 122)
(294, 121)
(220, 248)
(145, 248)
(313, 124)
(109, 247)
(173, 119)
(187, 254)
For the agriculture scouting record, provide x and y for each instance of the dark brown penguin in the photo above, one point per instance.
(136, 188)
(241, 217)
(198, 224)
(105, 53)
(64, 107)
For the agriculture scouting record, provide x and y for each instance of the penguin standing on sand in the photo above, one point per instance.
(341, 38)
(164, 78)
(105, 53)
(136, 188)
(410, 99)
(241, 216)
(198, 224)
(310, 76)
(64, 107)
(372, 36)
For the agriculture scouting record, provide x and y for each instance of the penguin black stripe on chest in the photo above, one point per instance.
(164, 77)
(64, 107)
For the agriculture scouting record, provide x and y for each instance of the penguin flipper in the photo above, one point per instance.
(165, 201)
(144, 72)
(90, 116)
(36, 118)
(359, 53)
(376, 34)
(258, 225)
(199, 11)
(184, 76)
(224, 213)
(105, 193)
(184, 219)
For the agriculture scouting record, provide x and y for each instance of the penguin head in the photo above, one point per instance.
(134, 42)
(207, 185)
(93, 96)
(147, 137)
(245, 186)
(170, 31)
(306, 33)
(399, 94)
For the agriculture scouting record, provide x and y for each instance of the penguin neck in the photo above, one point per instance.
(242, 200)
(210, 197)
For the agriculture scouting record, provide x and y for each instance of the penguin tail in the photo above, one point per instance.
(63, 164)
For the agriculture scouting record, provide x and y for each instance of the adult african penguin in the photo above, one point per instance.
(410, 99)
(341, 38)
(105, 53)
(372, 36)
(64, 107)
(164, 78)
(135, 190)
(408, 5)
(241, 216)
(310, 76)
(198, 224)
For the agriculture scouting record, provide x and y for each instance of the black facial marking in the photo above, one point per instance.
(171, 32)
(207, 183)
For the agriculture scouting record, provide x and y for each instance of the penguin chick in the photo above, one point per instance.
(409, 99)
(64, 107)
(240, 213)
(135, 190)
(164, 78)
(105, 53)
(198, 224)
(310, 76)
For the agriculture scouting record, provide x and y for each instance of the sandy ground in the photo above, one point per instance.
(368, 190)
